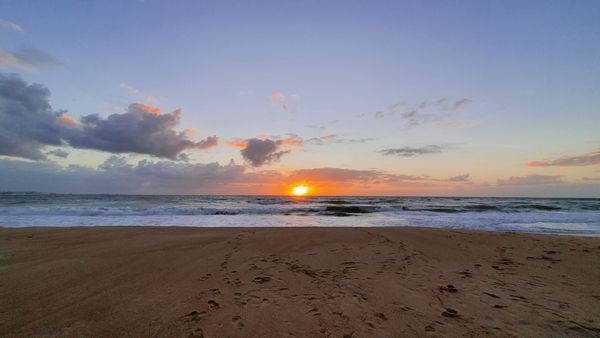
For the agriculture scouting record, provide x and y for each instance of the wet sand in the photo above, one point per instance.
(296, 282)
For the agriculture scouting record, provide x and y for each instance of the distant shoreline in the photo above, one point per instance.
(241, 228)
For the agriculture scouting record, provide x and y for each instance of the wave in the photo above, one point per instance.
(122, 205)
(347, 210)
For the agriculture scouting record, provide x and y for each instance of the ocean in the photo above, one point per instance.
(532, 215)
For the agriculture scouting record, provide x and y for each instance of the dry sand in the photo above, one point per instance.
(296, 282)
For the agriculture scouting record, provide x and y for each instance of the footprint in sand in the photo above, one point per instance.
(429, 328)
(261, 279)
(314, 311)
(205, 277)
(451, 313)
(491, 294)
(381, 315)
(198, 333)
(196, 315)
(448, 288)
(237, 321)
(465, 274)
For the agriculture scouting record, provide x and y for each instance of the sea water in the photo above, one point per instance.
(535, 215)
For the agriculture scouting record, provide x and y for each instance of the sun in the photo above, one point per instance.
(300, 190)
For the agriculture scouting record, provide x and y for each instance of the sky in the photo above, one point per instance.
(461, 98)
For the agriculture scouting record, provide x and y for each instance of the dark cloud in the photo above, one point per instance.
(115, 163)
(183, 157)
(29, 59)
(209, 142)
(27, 124)
(142, 129)
(259, 152)
(592, 158)
(531, 179)
(412, 151)
(115, 175)
(58, 153)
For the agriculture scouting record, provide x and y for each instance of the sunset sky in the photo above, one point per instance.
(469, 98)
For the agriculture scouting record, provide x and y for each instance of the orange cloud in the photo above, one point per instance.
(148, 109)
(190, 133)
(291, 142)
(277, 97)
(241, 144)
(67, 120)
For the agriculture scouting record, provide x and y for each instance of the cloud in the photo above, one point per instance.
(10, 25)
(340, 179)
(28, 123)
(207, 143)
(591, 178)
(277, 97)
(336, 174)
(294, 140)
(422, 112)
(115, 175)
(323, 126)
(282, 101)
(412, 151)
(11, 60)
(28, 59)
(129, 88)
(259, 152)
(58, 153)
(236, 143)
(459, 178)
(592, 158)
(358, 140)
(322, 140)
(291, 140)
(137, 94)
(531, 179)
(142, 129)
(457, 106)
(340, 175)
(456, 124)
(332, 138)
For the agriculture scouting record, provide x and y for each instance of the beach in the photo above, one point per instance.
(296, 282)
